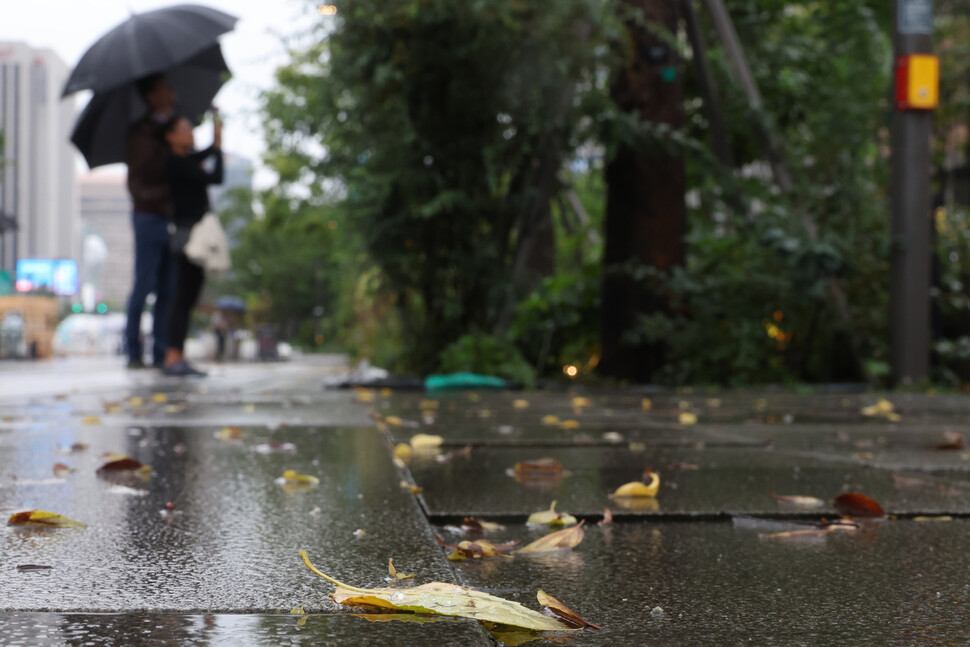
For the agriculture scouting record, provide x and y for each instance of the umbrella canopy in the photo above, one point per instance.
(101, 130)
(147, 43)
(234, 304)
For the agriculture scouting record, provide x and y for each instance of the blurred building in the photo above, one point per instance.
(38, 196)
(106, 214)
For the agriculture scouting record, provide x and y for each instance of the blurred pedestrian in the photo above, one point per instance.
(188, 182)
(151, 214)
(220, 326)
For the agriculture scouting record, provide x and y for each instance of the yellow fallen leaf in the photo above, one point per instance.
(136, 401)
(249, 408)
(292, 476)
(414, 488)
(474, 397)
(429, 405)
(687, 418)
(638, 489)
(646, 404)
(480, 549)
(386, 393)
(520, 404)
(714, 403)
(42, 518)
(400, 464)
(426, 441)
(563, 612)
(364, 395)
(569, 424)
(111, 407)
(579, 402)
(394, 421)
(559, 540)
(551, 517)
(403, 451)
(944, 517)
(229, 433)
(159, 398)
(90, 420)
(550, 420)
(443, 599)
(297, 612)
(393, 571)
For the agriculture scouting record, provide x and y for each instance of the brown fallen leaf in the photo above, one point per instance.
(443, 599)
(952, 441)
(124, 466)
(479, 549)
(607, 518)
(562, 539)
(563, 612)
(230, 433)
(393, 571)
(798, 501)
(60, 469)
(42, 518)
(860, 506)
(464, 452)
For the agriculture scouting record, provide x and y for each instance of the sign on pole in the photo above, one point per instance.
(914, 17)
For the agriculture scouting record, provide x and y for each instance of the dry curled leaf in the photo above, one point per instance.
(551, 517)
(883, 408)
(562, 539)
(42, 518)
(403, 451)
(860, 506)
(443, 599)
(479, 549)
(563, 612)
(60, 469)
(159, 398)
(952, 441)
(638, 489)
(520, 404)
(607, 518)
(798, 501)
(544, 465)
(550, 420)
(90, 420)
(393, 571)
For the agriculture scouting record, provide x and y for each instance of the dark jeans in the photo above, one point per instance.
(154, 272)
(188, 286)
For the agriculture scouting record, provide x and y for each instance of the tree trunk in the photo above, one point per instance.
(645, 212)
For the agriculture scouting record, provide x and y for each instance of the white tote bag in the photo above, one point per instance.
(208, 247)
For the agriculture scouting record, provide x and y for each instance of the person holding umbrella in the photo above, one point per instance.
(151, 215)
(189, 189)
(148, 61)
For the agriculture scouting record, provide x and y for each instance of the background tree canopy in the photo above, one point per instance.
(440, 185)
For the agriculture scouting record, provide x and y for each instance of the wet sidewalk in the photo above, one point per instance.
(205, 550)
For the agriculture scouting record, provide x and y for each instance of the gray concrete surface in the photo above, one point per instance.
(222, 567)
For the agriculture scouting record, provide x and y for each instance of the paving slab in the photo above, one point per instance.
(898, 582)
(231, 543)
(215, 630)
(694, 481)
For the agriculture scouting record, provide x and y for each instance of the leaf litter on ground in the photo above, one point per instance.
(567, 538)
(442, 599)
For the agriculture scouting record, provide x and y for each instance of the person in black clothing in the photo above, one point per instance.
(188, 183)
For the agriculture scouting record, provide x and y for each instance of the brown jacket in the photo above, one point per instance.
(147, 180)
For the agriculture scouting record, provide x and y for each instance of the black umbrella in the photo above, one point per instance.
(180, 41)
(146, 43)
(101, 130)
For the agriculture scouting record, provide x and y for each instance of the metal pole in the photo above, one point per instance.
(910, 274)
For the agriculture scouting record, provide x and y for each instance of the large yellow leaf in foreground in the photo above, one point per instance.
(443, 599)
(42, 518)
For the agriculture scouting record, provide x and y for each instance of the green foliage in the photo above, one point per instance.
(428, 124)
(486, 355)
